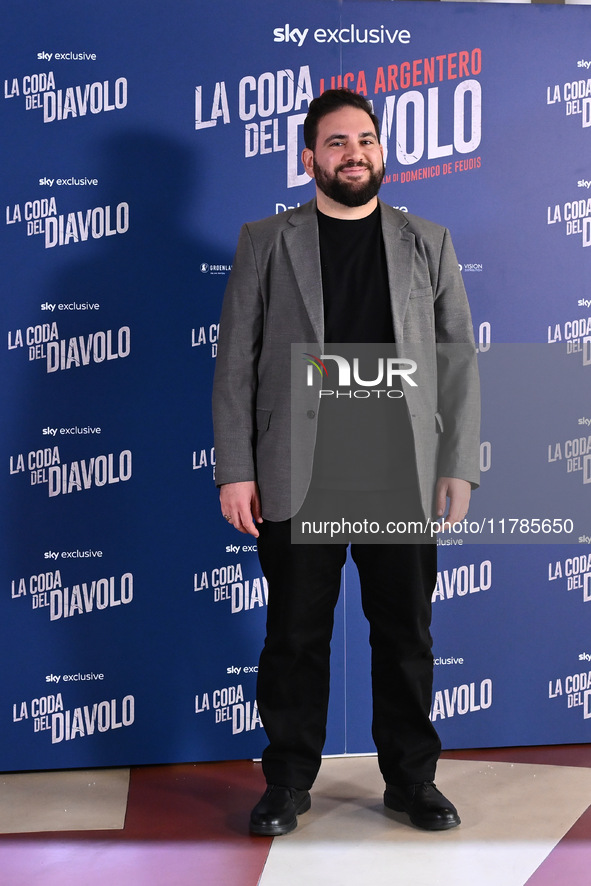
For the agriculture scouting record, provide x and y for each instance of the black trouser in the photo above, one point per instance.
(397, 582)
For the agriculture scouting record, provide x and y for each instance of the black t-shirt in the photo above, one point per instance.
(355, 280)
(363, 442)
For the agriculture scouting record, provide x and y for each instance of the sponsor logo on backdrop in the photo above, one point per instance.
(67, 56)
(247, 669)
(271, 93)
(73, 678)
(461, 581)
(45, 467)
(215, 269)
(235, 549)
(574, 96)
(42, 342)
(576, 335)
(417, 101)
(468, 698)
(75, 431)
(67, 182)
(228, 705)
(227, 585)
(573, 573)
(47, 591)
(206, 335)
(70, 306)
(41, 217)
(38, 91)
(72, 555)
(287, 33)
(204, 458)
(572, 217)
(573, 455)
(49, 714)
(574, 690)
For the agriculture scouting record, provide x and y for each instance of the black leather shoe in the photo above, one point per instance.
(277, 811)
(426, 806)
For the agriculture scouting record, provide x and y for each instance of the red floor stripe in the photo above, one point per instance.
(186, 825)
(570, 862)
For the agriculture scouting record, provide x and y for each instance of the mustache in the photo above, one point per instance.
(350, 163)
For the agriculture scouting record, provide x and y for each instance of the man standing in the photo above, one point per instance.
(344, 268)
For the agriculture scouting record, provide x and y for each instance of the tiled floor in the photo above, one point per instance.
(525, 819)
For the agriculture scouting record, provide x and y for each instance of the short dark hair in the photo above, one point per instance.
(330, 101)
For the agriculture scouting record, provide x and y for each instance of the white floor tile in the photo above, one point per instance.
(512, 817)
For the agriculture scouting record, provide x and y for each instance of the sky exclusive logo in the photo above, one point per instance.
(388, 371)
(349, 34)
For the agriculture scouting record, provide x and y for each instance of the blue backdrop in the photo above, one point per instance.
(135, 142)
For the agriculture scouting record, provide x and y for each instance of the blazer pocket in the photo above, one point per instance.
(419, 317)
(263, 419)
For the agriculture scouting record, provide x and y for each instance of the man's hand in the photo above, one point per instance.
(458, 492)
(241, 506)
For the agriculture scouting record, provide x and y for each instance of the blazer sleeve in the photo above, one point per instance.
(235, 379)
(457, 373)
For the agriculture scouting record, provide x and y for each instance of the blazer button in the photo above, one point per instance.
(310, 413)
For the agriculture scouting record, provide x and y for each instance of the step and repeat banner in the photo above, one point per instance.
(135, 141)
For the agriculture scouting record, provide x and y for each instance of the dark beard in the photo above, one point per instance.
(348, 193)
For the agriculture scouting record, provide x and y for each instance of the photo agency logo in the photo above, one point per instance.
(384, 374)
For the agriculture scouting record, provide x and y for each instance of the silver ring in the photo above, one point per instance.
(228, 518)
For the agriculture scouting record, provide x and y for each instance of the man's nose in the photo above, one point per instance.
(352, 156)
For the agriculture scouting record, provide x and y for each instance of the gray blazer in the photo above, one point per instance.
(274, 299)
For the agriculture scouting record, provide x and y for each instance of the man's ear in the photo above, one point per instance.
(308, 161)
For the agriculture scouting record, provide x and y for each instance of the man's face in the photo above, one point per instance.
(347, 162)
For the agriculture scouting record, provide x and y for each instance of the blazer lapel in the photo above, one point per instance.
(301, 241)
(399, 244)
